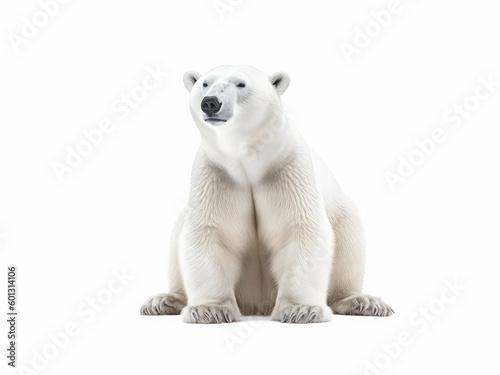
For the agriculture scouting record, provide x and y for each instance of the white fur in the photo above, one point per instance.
(267, 229)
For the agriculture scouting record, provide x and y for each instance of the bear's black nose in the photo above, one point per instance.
(210, 105)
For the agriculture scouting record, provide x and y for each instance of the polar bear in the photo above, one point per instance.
(267, 230)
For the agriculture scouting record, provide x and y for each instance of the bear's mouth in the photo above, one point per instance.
(215, 119)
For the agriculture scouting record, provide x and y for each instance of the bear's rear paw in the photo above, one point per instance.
(164, 304)
(289, 313)
(212, 313)
(362, 304)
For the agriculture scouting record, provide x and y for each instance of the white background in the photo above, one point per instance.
(115, 210)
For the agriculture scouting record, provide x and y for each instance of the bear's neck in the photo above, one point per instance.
(248, 156)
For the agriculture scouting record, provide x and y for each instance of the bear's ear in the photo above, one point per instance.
(190, 79)
(280, 81)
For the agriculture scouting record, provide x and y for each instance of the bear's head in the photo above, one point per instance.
(234, 96)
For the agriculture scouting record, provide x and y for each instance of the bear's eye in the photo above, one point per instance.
(205, 84)
(240, 85)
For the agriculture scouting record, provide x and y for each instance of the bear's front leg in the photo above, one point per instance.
(210, 271)
(294, 226)
(302, 267)
(217, 231)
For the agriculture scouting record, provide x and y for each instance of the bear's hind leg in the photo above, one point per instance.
(164, 304)
(346, 281)
(170, 303)
(361, 304)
